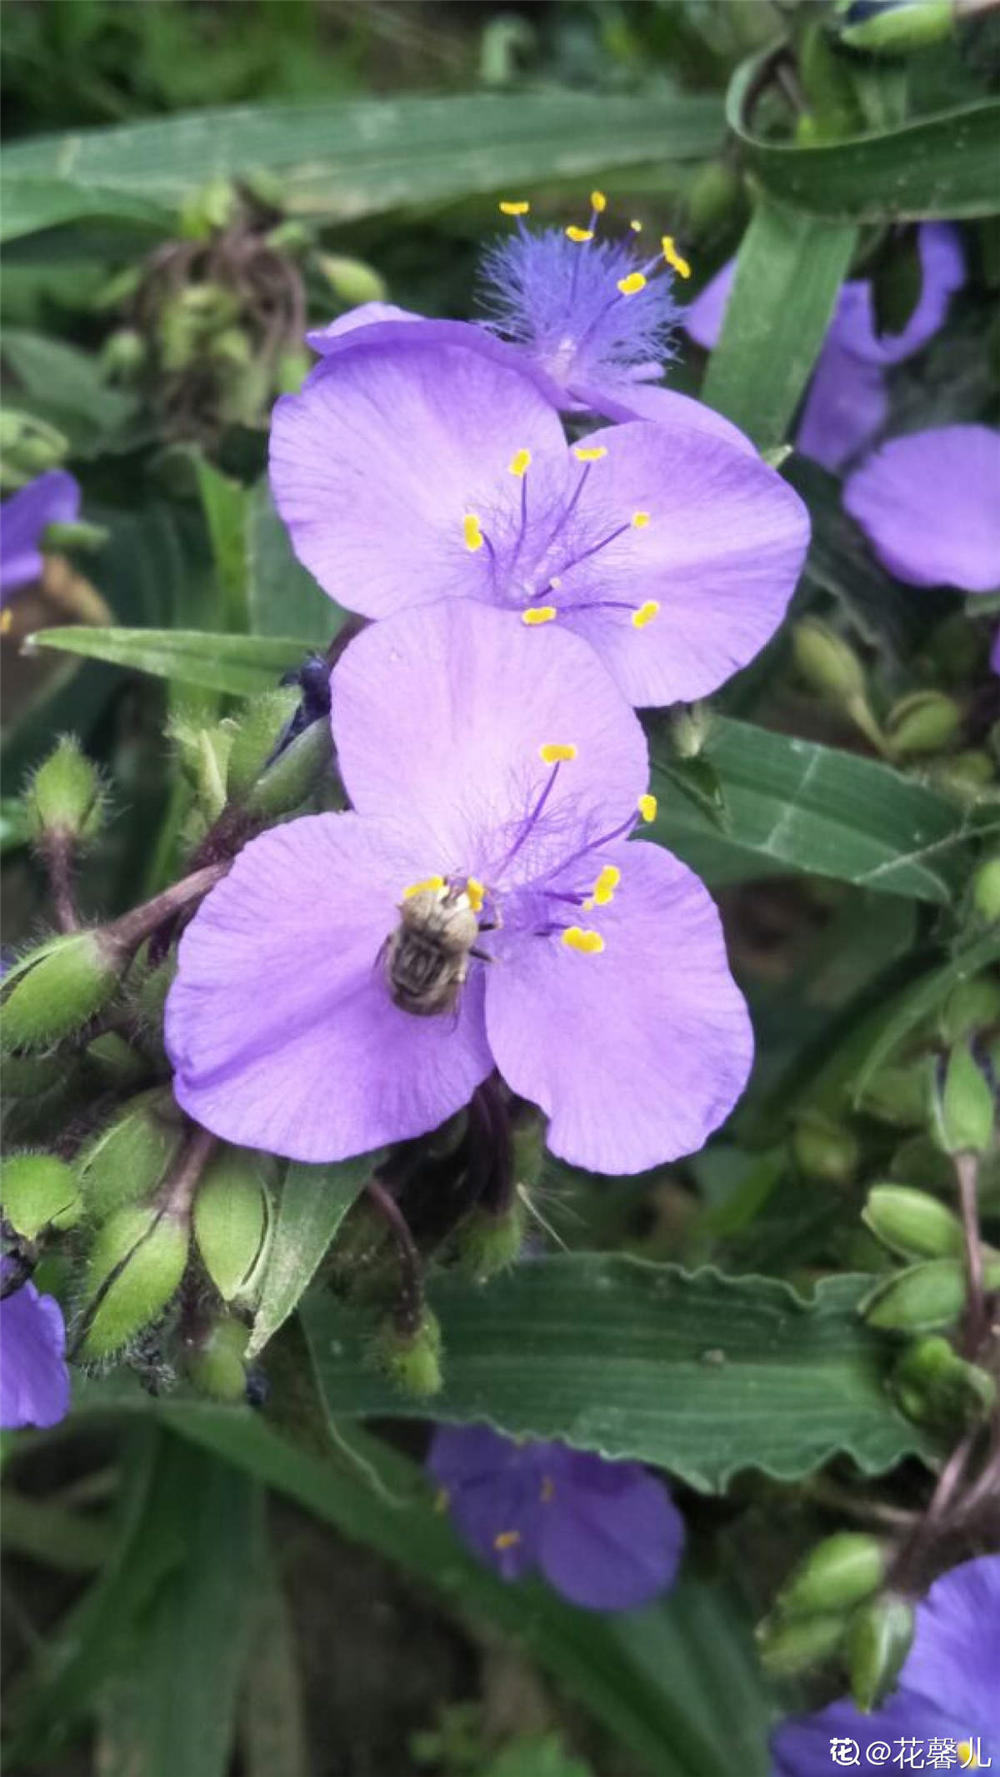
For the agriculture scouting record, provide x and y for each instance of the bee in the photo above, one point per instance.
(427, 956)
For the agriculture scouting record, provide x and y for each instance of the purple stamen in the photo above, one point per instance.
(531, 819)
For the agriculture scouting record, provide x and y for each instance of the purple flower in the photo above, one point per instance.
(929, 504)
(948, 1698)
(420, 462)
(606, 1535)
(54, 498)
(34, 1381)
(847, 401)
(495, 776)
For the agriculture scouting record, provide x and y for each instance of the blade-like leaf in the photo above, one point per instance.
(282, 596)
(240, 665)
(701, 1373)
(314, 1202)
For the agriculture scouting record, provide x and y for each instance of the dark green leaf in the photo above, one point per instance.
(314, 1202)
(282, 596)
(67, 388)
(33, 204)
(240, 665)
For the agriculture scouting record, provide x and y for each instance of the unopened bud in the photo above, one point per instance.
(232, 1219)
(924, 1297)
(789, 1646)
(986, 890)
(690, 727)
(127, 1160)
(411, 1361)
(879, 1637)
(28, 446)
(231, 346)
(216, 1365)
(824, 1149)
(896, 27)
(352, 280)
(912, 1223)
(38, 1191)
(826, 662)
(124, 354)
(204, 760)
(284, 786)
(254, 735)
(488, 1244)
(291, 368)
(56, 990)
(964, 1107)
(212, 206)
(291, 237)
(136, 1264)
(63, 798)
(923, 722)
(835, 1575)
(972, 1007)
(937, 1388)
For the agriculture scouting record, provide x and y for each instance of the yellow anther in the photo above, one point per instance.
(579, 234)
(420, 888)
(631, 285)
(472, 533)
(635, 225)
(645, 613)
(589, 453)
(586, 942)
(536, 614)
(556, 752)
(598, 202)
(639, 521)
(647, 807)
(605, 885)
(508, 1539)
(514, 208)
(520, 462)
(673, 258)
(475, 892)
(6, 620)
(548, 1492)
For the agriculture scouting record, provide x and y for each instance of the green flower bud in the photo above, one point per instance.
(351, 279)
(204, 760)
(690, 727)
(291, 237)
(986, 890)
(117, 1064)
(213, 206)
(411, 1361)
(217, 1364)
(923, 722)
(898, 27)
(826, 662)
(912, 1223)
(924, 1297)
(231, 346)
(973, 1006)
(28, 446)
(898, 1095)
(255, 734)
(232, 1219)
(879, 1637)
(56, 990)
(38, 1191)
(963, 1108)
(714, 196)
(124, 355)
(836, 1574)
(937, 1388)
(63, 797)
(75, 535)
(284, 786)
(126, 1161)
(789, 1646)
(29, 1076)
(292, 366)
(136, 1264)
(488, 1244)
(824, 1149)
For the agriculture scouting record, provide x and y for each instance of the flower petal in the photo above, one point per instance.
(53, 498)
(391, 444)
(327, 339)
(953, 1660)
(635, 1054)
(34, 1381)
(929, 504)
(492, 1490)
(702, 319)
(942, 271)
(610, 1537)
(665, 407)
(443, 710)
(801, 1747)
(280, 1025)
(845, 408)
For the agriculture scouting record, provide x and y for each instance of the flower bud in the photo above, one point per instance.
(826, 662)
(204, 760)
(212, 206)
(255, 735)
(912, 1223)
(488, 1244)
(63, 798)
(879, 1637)
(28, 446)
(924, 1297)
(136, 1264)
(923, 722)
(216, 1365)
(963, 1107)
(126, 1161)
(56, 990)
(352, 280)
(971, 1007)
(291, 368)
(38, 1191)
(896, 26)
(937, 1388)
(290, 237)
(836, 1574)
(411, 1361)
(824, 1149)
(124, 354)
(897, 1095)
(284, 786)
(690, 727)
(986, 890)
(232, 1219)
(788, 1646)
(232, 346)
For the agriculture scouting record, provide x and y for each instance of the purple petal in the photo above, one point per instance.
(953, 1662)
(721, 554)
(493, 1487)
(995, 653)
(54, 498)
(942, 268)
(702, 319)
(389, 447)
(929, 505)
(610, 1537)
(34, 1380)
(846, 407)
(635, 1054)
(442, 710)
(280, 1025)
(665, 407)
(367, 314)
(801, 1747)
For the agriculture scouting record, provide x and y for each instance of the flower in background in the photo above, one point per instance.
(607, 1535)
(420, 462)
(847, 402)
(947, 1699)
(34, 1380)
(356, 976)
(53, 498)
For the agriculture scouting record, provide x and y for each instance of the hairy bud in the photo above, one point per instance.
(255, 734)
(488, 1244)
(411, 1361)
(232, 1220)
(136, 1264)
(127, 1160)
(63, 799)
(216, 1365)
(284, 786)
(56, 990)
(38, 1191)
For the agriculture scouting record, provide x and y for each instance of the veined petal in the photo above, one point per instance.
(279, 1024)
(53, 498)
(637, 1053)
(929, 504)
(34, 1381)
(665, 407)
(328, 339)
(845, 408)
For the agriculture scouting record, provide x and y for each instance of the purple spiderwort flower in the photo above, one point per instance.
(500, 772)
(34, 1380)
(607, 1535)
(947, 1699)
(847, 402)
(422, 461)
(53, 498)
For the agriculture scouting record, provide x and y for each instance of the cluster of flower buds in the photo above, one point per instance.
(836, 1603)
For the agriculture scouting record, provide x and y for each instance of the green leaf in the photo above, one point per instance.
(789, 270)
(33, 204)
(273, 1733)
(941, 166)
(226, 503)
(67, 388)
(341, 161)
(795, 805)
(314, 1202)
(240, 665)
(701, 1373)
(282, 596)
